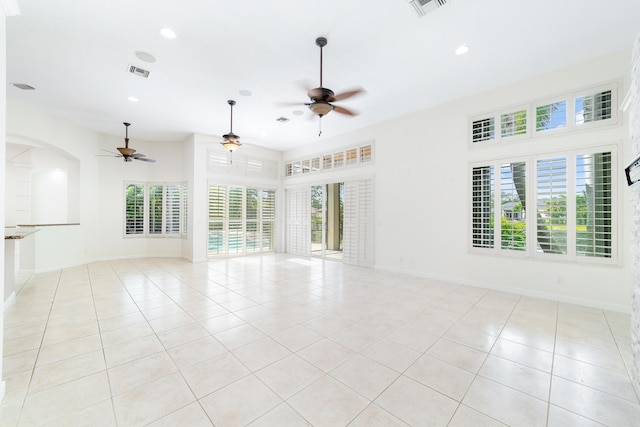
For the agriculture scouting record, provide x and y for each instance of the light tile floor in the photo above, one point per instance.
(277, 340)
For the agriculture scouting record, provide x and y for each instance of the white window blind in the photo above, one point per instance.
(512, 124)
(358, 223)
(298, 226)
(551, 191)
(513, 206)
(173, 197)
(482, 203)
(594, 205)
(592, 108)
(551, 116)
(134, 209)
(241, 220)
(483, 130)
(156, 209)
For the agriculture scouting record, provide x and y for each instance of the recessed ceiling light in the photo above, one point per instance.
(298, 113)
(168, 33)
(132, 99)
(282, 119)
(245, 92)
(146, 57)
(462, 49)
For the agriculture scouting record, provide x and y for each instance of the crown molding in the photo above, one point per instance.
(10, 7)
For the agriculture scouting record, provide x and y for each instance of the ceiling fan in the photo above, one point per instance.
(322, 98)
(129, 154)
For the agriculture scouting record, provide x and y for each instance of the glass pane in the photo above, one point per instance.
(235, 203)
(252, 241)
(236, 236)
(172, 209)
(483, 130)
(365, 154)
(513, 228)
(155, 209)
(252, 203)
(267, 236)
(352, 156)
(593, 107)
(306, 166)
(315, 164)
(551, 206)
(512, 124)
(594, 207)
(338, 160)
(482, 207)
(268, 205)
(134, 215)
(288, 169)
(317, 203)
(551, 116)
(217, 203)
(327, 161)
(216, 238)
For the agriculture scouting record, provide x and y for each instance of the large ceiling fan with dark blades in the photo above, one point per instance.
(322, 98)
(129, 154)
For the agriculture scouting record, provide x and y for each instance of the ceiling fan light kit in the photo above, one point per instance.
(231, 140)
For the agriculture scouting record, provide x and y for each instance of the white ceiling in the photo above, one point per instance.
(76, 55)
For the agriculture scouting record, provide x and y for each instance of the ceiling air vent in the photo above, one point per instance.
(139, 71)
(422, 7)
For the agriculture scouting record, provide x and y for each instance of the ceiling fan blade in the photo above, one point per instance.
(348, 94)
(136, 155)
(343, 110)
(144, 159)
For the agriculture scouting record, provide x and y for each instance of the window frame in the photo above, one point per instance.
(182, 205)
(531, 177)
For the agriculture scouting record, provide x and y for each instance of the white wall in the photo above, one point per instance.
(422, 193)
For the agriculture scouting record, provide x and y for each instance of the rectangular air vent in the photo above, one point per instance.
(139, 71)
(422, 7)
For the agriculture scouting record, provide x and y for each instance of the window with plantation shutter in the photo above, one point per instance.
(483, 130)
(268, 215)
(134, 209)
(327, 161)
(572, 209)
(173, 197)
(155, 209)
(551, 204)
(358, 223)
(161, 209)
(512, 124)
(513, 228)
(594, 205)
(241, 220)
(217, 220)
(298, 226)
(338, 160)
(482, 207)
(551, 116)
(593, 108)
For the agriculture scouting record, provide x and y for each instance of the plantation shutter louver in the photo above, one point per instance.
(594, 107)
(594, 208)
(482, 207)
(172, 202)
(513, 206)
(298, 226)
(134, 210)
(217, 219)
(358, 223)
(268, 219)
(551, 186)
(512, 124)
(551, 116)
(483, 130)
(155, 209)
